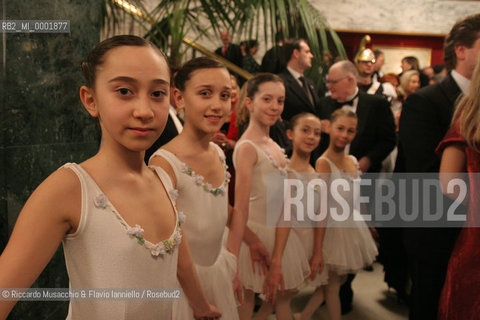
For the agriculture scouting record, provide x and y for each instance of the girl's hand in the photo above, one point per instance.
(259, 254)
(316, 265)
(364, 163)
(238, 288)
(272, 281)
(210, 313)
(219, 138)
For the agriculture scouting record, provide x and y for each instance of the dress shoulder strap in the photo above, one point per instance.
(333, 167)
(250, 142)
(172, 159)
(83, 177)
(355, 162)
(219, 150)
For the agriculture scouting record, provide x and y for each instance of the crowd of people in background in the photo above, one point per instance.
(222, 139)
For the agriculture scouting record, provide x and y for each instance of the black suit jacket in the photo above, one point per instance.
(233, 54)
(376, 128)
(168, 134)
(296, 99)
(425, 119)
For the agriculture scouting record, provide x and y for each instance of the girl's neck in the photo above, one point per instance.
(258, 131)
(196, 139)
(120, 159)
(300, 162)
(335, 154)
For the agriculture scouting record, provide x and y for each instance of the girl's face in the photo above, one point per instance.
(342, 131)
(413, 84)
(266, 106)
(206, 99)
(130, 97)
(305, 135)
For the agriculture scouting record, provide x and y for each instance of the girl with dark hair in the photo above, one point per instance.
(114, 216)
(258, 160)
(197, 169)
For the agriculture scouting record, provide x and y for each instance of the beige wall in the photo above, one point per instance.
(418, 16)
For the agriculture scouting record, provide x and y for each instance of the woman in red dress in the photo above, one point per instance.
(460, 152)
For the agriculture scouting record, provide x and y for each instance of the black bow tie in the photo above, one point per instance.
(349, 102)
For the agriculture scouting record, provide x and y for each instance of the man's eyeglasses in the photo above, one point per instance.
(330, 81)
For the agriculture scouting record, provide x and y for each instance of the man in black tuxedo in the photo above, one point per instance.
(426, 117)
(375, 137)
(229, 51)
(300, 92)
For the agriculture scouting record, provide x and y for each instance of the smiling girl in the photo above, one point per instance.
(197, 169)
(115, 217)
(347, 245)
(258, 158)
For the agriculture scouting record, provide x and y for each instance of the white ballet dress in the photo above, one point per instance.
(348, 245)
(305, 228)
(105, 252)
(206, 211)
(295, 265)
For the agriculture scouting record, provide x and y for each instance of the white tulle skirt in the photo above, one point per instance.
(348, 249)
(216, 281)
(295, 266)
(306, 237)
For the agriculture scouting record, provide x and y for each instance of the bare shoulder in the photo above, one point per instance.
(58, 197)
(51, 212)
(322, 165)
(245, 152)
(161, 162)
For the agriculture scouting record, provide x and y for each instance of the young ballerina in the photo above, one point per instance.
(256, 157)
(197, 169)
(305, 132)
(347, 245)
(114, 216)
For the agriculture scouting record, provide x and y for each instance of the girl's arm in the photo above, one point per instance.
(188, 278)
(246, 157)
(186, 271)
(275, 277)
(316, 262)
(453, 163)
(258, 252)
(49, 214)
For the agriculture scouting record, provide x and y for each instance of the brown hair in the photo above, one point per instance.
(183, 75)
(96, 57)
(413, 61)
(465, 32)
(294, 121)
(342, 113)
(289, 46)
(242, 112)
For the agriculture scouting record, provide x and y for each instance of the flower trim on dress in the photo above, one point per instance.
(275, 164)
(100, 201)
(163, 247)
(173, 194)
(200, 180)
